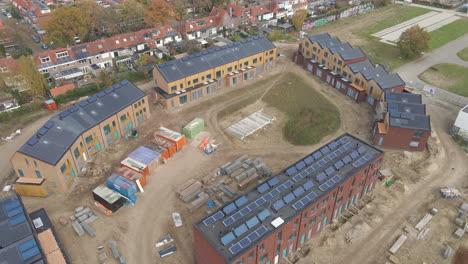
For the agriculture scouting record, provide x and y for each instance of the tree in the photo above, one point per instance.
(180, 7)
(32, 78)
(159, 12)
(66, 23)
(413, 41)
(130, 15)
(105, 78)
(298, 19)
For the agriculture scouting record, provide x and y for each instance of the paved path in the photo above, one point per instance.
(435, 9)
(445, 54)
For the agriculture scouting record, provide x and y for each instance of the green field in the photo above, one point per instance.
(463, 54)
(451, 77)
(311, 115)
(447, 33)
(400, 15)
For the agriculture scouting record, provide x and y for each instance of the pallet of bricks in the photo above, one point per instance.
(191, 191)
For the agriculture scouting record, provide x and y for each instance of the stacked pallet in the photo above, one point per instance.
(201, 199)
(81, 219)
(189, 190)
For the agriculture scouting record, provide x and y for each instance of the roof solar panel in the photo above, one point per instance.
(42, 131)
(357, 164)
(208, 221)
(234, 249)
(312, 195)
(252, 206)
(298, 191)
(288, 184)
(332, 145)
(241, 201)
(229, 208)
(74, 109)
(244, 242)
(316, 166)
(309, 170)
(261, 230)
(218, 216)
(291, 170)
(264, 214)
(281, 188)
(278, 205)
(347, 159)
(323, 187)
(304, 173)
(288, 198)
(298, 205)
(339, 164)
(253, 236)
(308, 160)
(245, 211)
(17, 220)
(325, 150)
(317, 155)
(354, 154)
(267, 196)
(336, 179)
(333, 155)
(321, 176)
(327, 159)
(12, 205)
(367, 157)
(297, 178)
(84, 103)
(308, 185)
(275, 192)
(260, 201)
(273, 181)
(322, 162)
(330, 170)
(263, 188)
(228, 238)
(344, 139)
(300, 165)
(252, 222)
(236, 216)
(101, 94)
(240, 230)
(361, 149)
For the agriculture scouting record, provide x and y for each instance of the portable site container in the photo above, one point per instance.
(123, 186)
(31, 187)
(132, 175)
(146, 156)
(108, 198)
(171, 135)
(160, 149)
(135, 165)
(169, 145)
(50, 104)
(193, 128)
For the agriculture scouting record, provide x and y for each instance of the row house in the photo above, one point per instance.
(37, 12)
(59, 150)
(341, 59)
(199, 75)
(274, 219)
(73, 62)
(402, 122)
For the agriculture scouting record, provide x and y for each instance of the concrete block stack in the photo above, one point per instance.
(189, 190)
(82, 219)
(202, 198)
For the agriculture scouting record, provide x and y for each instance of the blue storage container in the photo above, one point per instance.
(122, 185)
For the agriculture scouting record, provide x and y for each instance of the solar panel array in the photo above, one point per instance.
(329, 183)
(246, 241)
(212, 219)
(358, 163)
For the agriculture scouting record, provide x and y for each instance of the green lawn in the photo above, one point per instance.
(447, 33)
(400, 15)
(463, 54)
(311, 115)
(451, 77)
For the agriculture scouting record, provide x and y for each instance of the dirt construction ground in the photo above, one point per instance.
(364, 238)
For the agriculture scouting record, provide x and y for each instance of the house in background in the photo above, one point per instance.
(460, 128)
(404, 123)
(9, 74)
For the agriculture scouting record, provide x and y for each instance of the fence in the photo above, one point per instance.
(343, 14)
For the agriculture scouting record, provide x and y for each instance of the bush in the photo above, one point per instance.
(77, 93)
(133, 76)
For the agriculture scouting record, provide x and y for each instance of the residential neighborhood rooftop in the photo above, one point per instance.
(54, 139)
(407, 111)
(209, 59)
(377, 73)
(233, 229)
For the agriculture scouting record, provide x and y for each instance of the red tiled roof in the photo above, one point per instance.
(62, 89)
(193, 25)
(112, 43)
(9, 63)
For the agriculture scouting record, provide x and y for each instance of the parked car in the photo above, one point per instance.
(44, 46)
(9, 15)
(36, 39)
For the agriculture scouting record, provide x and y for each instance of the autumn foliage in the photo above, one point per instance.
(413, 42)
(159, 13)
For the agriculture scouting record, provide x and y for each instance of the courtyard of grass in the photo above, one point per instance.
(311, 116)
(451, 77)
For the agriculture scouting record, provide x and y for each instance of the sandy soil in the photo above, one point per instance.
(137, 228)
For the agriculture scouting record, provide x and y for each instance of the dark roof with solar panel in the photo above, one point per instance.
(240, 224)
(54, 139)
(200, 62)
(407, 111)
(17, 243)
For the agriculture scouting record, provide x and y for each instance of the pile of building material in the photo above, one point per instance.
(450, 192)
(202, 197)
(250, 124)
(164, 241)
(189, 190)
(461, 221)
(167, 239)
(81, 219)
(398, 243)
(115, 252)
